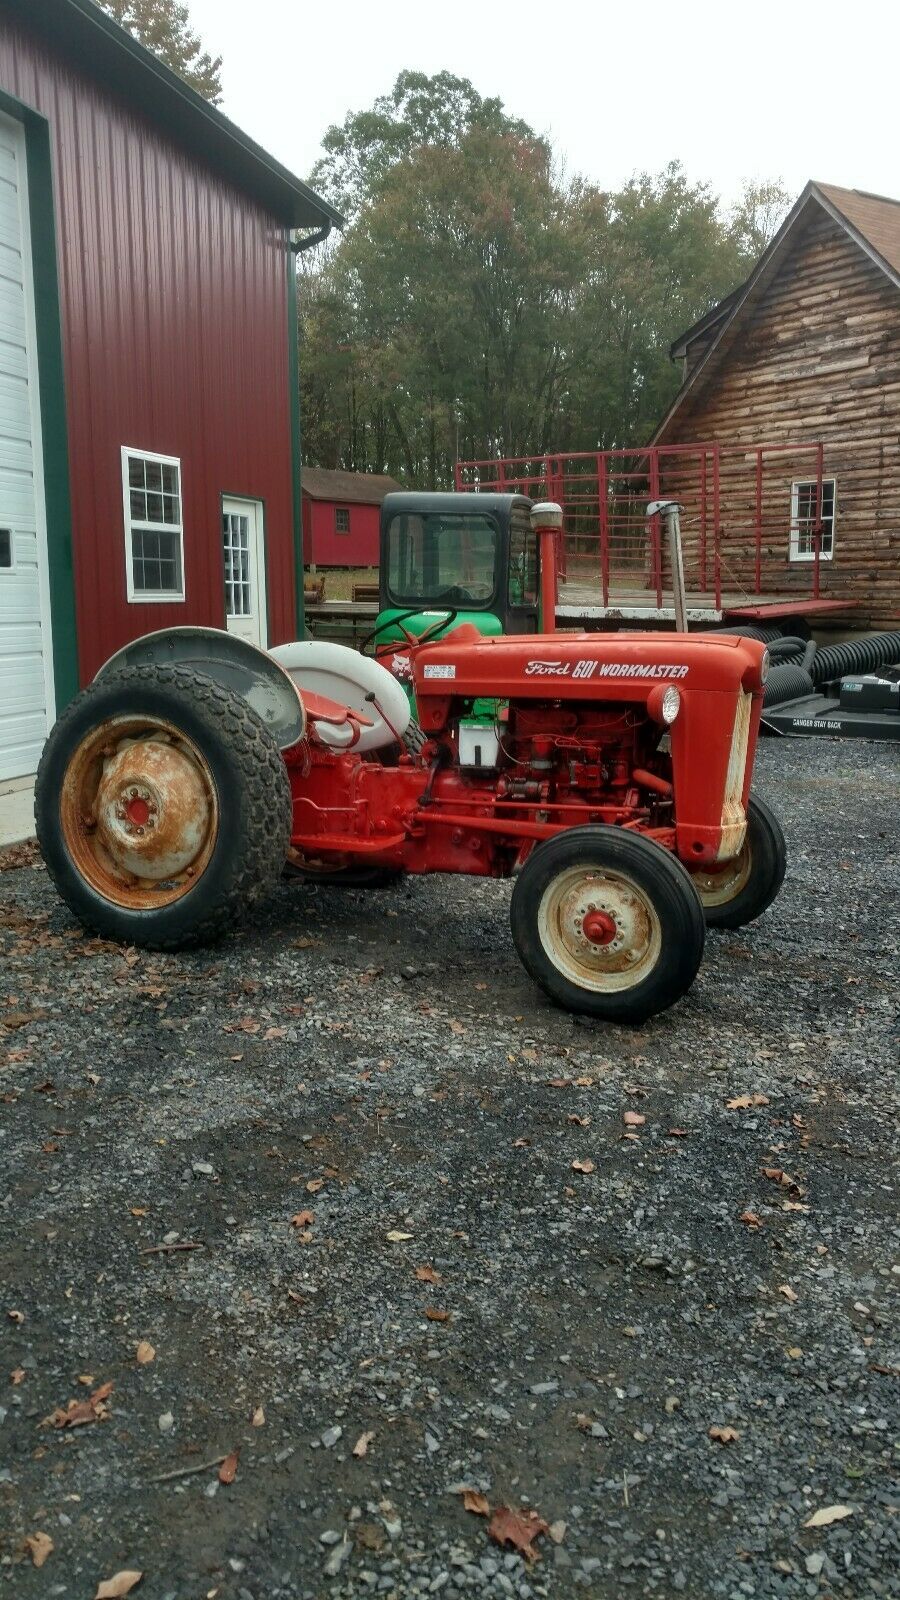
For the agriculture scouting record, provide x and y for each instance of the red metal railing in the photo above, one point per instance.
(738, 522)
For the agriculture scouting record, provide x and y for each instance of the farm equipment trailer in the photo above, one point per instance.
(613, 785)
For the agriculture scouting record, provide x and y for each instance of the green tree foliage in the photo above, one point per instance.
(479, 305)
(164, 27)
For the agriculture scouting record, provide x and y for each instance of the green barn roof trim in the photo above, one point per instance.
(100, 44)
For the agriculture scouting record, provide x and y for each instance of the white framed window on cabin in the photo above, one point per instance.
(154, 531)
(7, 550)
(804, 495)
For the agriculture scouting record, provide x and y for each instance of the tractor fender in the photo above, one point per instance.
(240, 666)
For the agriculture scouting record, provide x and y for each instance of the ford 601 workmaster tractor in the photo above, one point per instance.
(613, 785)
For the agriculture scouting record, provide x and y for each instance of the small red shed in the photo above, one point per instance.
(341, 512)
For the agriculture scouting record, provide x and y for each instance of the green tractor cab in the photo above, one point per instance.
(451, 558)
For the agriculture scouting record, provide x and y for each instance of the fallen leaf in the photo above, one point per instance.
(583, 1166)
(751, 1219)
(679, 1133)
(557, 1531)
(583, 1083)
(79, 1412)
(396, 1236)
(521, 1144)
(361, 1447)
(583, 1122)
(827, 1515)
(116, 1587)
(794, 1352)
(16, 1316)
(788, 1292)
(434, 1315)
(275, 1033)
(144, 1353)
(228, 1469)
(633, 1119)
(39, 1546)
(258, 1417)
(743, 1102)
(303, 1219)
(559, 1083)
(17, 1376)
(428, 1275)
(138, 1211)
(518, 1528)
(672, 1403)
(476, 1502)
(314, 1185)
(724, 1435)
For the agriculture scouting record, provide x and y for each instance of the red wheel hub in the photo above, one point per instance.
(137, 811)
(598, 927)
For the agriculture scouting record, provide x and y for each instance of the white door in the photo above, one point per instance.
(245, 570)
(26, 680)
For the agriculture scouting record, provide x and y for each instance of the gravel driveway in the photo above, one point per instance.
(393, 1227)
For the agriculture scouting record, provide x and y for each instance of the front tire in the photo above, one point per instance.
(745, 887)
(608, 923)
(162, 807)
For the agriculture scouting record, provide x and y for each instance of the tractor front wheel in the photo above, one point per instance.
(741, 890)
(162, 807)
(608, 923)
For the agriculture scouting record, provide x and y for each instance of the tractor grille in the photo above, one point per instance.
(734, 821)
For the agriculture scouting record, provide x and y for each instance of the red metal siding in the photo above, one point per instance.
(175, 331)
(328, 548)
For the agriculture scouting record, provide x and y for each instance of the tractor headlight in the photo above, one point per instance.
(671, 705)
(764, 667)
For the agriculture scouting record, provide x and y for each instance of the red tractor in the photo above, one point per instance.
(613, 785)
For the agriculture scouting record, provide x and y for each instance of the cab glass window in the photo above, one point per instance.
(523, 561)
(449, 557)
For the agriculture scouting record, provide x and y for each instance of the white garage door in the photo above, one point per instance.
(26, 690)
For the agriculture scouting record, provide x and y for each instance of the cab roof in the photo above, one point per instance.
(409, 500)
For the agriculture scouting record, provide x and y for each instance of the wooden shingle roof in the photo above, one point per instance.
(350, 488)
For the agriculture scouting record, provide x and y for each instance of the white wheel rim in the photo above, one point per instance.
(720, 888)
(631, 952)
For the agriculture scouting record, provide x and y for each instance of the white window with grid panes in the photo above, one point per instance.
(154, 531)
(236, 546)
(807, 516)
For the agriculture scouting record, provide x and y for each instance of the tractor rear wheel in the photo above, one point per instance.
(742, 889)
(608, 923)
(162, 806)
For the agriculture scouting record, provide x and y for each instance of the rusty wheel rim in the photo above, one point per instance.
(599, 929)
(139, 813)
(720, 887)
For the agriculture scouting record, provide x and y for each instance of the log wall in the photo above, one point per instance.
(818, 358)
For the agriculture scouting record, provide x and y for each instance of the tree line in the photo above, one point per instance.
(481, 303)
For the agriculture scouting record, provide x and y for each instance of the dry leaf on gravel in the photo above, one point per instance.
(633, 1119)
(257, 1417)
(583, 1122)
(559, 1083)
(788, 1292)
(17, 1376)
(303, 1219)
(144, 1353)
(116, 1587)
(518, 1528)
(361, 1447)
(78, 1412)
(476, 1502)
(827, 1515)
(724, 1435)
(743, 1102)
(583, 1166)
(16, 1316)
(396, 1236)
(314, 1185)
(39, 1546)
(434, 1315)
(228, 1469)
(751, 1219)
(428, 1275)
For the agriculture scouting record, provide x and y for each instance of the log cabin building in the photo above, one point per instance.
(794, 381)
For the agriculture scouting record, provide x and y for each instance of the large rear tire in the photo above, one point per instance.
(608, 923)
(744, 888)
(162, 806)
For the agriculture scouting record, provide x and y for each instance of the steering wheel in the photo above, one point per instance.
(412, 639)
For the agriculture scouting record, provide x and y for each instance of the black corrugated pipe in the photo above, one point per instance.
(857, 655)
(787, 649)
(787, 682)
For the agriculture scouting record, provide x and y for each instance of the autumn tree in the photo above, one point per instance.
(164, 27)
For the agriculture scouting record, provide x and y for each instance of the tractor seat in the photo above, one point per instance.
(335, 672)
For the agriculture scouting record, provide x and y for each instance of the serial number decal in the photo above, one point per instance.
(602, 669)
(437, 669)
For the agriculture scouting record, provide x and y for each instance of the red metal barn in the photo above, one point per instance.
(149, 428)
(341, 513)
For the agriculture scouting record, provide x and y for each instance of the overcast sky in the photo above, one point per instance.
(772, 88)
